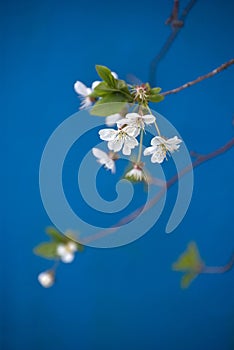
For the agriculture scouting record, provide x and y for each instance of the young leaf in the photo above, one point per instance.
(156, 97)
(103, 89)
(56, 235)
(110, 104)
(105, 74)
(190, 260)
(155, 90)
(187, 278)
(46, 250)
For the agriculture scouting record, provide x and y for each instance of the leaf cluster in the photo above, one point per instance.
(190, 263)
(48, 250)
(113, 95)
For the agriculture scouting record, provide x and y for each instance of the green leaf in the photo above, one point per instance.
(46, 250)
(109, 104)
(56, 235)
(123, 87)
(105, 74)
(103, 89)
(190, 260)
(156, 98)
(187, 278)
(155, 91)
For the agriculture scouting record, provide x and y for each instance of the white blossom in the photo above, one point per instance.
(112, 119)
(83, 91)
(104, 159)
(136, 120)
(46, 278)
(136, 174)
(122, 138)
(160, 146)
(66, 251)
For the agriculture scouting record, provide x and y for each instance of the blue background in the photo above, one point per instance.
(122, 298)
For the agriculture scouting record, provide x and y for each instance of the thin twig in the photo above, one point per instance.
(156, 198)
(154, 63)
(201, 78)
(219, 269)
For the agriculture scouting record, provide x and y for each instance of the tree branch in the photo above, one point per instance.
(219, 269)
(173, 20)
(201, 78)
(200, 160)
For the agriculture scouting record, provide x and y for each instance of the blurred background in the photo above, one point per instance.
(127, 297)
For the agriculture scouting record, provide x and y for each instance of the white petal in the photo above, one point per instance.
(46, 279)
(108, 134)
(81, 89)
(112, 119)
(99, 153)
(67, 258)
(157, 140)
(133, 116)
(149, 150)
(110, 164)
(95, 83)
(131, 141)
(148, 119)
(121, 122)
(115, 145)
(61, 249)
(114, 75)
(131, 131)
(126, 150)
(72, 247)
(158, 157)
(172, 144)
(86, 102)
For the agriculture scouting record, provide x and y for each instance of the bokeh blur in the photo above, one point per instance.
(127, 297)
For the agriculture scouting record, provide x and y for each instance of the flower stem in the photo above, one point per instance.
(140, 147)
(157, 128)
(156, 125)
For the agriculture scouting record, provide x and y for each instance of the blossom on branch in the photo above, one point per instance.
(122, 138)
(46, 279)
(136, 174)
(160, 146)
(136, 120)
(66, 251)
(105, 159)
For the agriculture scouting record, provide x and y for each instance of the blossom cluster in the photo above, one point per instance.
(131, 126)
(125, 138)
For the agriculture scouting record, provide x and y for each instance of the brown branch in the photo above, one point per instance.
(200, 160)
(203, 77)
(219, 269)
(173, 20)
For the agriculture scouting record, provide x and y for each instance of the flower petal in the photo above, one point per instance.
(132, 131)
(61, 249)
(72, 247)
(81, 89)
(114, 75)
(86, 102)
(95, 83)
(158, 157)
(148, 119)
(67, 258)
(126, 150)
(149, 150)
(157, 140)
(115, 145)
(112, 119)
(108, 134)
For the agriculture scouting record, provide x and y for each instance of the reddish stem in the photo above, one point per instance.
(200, 159)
